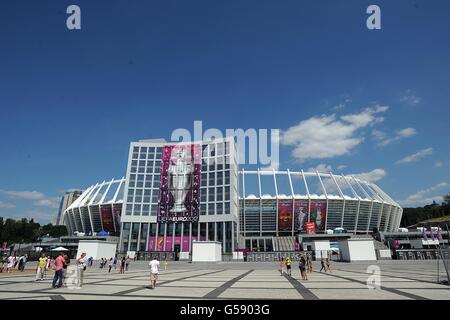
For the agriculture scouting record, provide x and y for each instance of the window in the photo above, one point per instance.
(219, 208)
(129, 210)
(137, 210)
(211, 231)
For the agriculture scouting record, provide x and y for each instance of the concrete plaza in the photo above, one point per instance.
(237, 280)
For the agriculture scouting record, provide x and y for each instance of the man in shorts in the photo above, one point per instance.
(154, 270)
(288, 265)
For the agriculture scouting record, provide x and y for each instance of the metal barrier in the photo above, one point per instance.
(274, 256)
(444, 257)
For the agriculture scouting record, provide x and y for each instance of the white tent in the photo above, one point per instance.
(60, 249)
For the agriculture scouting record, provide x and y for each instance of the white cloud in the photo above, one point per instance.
(342, 167)
(424, 197)
(4, 205)
(26, 195)
(327, 136)
(371, 176)
(410, 98)
(38, 198)
(324, 168)
(438, 164)
(416, 156)
(383, 140)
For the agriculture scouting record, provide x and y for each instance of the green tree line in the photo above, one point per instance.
(413, 216)
(26, 231)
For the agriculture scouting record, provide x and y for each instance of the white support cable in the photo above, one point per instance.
(102, 200)
(260, 204)
(96, 193)
(290, 183)
(359, 203)
(380, 216)
(275, 183)
(343, 198)
(244, 196)
(326, 196)
(293, 200)
(309, 195)
(371, 203)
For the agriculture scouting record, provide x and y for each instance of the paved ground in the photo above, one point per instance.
(260, 280)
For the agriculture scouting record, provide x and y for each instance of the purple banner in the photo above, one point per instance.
(179, 190)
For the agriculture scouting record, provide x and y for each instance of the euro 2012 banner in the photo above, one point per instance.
(179, 189)
(303, 214)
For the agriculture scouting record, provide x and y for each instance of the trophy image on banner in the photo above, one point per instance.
(180, 177)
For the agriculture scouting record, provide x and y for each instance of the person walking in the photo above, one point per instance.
(302, 267)
(328, 264)
(154, 271)
(288, 265)
(127, 263)
(40, 270)
(11, 262)
(322, 263)
(47, 266)
(4, 261)
(81, 263)
(110, 265)
(282, 266)
(122, 265)
(20, 261)
(115, 263)
(58, 278)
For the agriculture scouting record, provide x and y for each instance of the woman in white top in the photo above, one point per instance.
(11, 263)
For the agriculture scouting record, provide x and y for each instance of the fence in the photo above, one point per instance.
(443, 273)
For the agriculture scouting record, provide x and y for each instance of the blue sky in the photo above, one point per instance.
(71, 101)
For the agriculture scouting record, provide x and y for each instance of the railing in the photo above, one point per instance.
(274, 256)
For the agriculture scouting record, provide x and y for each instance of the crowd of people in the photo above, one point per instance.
(12, 262)
(121, 263)
(305, 265)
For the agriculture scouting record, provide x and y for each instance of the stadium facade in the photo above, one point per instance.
(174, 194)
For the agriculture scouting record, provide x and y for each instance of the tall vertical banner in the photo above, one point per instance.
(318, 215)
(284, 216)
(300, 216)
(107, 218)
(179, 189)
(117, 211)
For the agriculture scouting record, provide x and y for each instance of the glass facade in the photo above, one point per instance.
(218, 199)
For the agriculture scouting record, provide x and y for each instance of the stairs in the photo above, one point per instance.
(283, 243)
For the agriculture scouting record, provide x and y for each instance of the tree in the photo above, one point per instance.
(447, 199)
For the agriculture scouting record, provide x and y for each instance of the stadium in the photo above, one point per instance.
(239, 208)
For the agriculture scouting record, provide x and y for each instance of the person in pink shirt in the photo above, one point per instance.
(59, 264)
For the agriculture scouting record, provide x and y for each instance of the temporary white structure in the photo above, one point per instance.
(60, 249)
